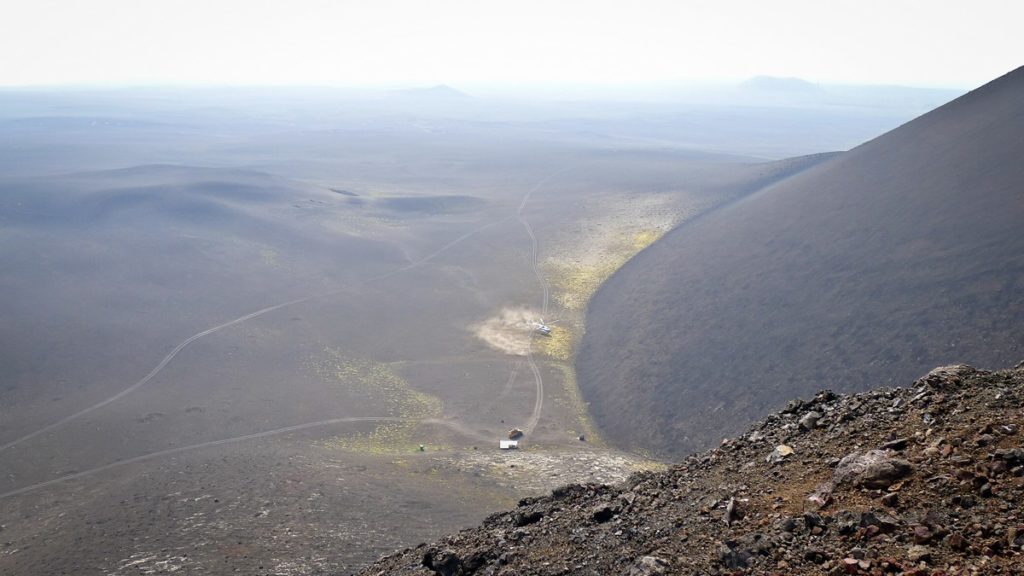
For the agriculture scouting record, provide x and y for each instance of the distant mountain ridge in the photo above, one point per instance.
(893, 257)
(779, 84)
(438, 92)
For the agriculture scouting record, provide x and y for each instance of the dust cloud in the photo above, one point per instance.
(508, 331)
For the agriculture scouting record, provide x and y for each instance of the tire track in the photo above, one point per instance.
(156, 370)
(254, 436)
(536, 267)
(185, 343)
(511, 380)
(535, 248)
(531, 424)
(538, 404)
(506, 390)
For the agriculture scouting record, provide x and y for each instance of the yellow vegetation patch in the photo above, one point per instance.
(648, 465)
(387, 439)
(644, 238)
(560, 344)
(575, 281)
(389, 393)
(380, 383)
(577, 405)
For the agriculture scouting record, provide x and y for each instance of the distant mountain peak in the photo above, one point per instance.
(439, 91)
(780, 84)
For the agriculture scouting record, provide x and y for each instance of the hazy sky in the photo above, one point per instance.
(344, 42)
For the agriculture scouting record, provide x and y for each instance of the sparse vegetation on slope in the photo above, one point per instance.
(383, 387)
(887, 258)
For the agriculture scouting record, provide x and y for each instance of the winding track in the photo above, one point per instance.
(277, 431)
(538, 404)
(531, 424)
(184, 343)
(533, 243)
(156, 370)
(508, 383)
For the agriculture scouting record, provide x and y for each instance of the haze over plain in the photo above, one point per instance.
(256, 255)
(244, 310)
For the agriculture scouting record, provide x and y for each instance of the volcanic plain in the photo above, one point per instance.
(240, 340)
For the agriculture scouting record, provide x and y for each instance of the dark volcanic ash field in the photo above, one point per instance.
(225, 338)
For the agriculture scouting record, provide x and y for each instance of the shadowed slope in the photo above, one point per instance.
(905, 252)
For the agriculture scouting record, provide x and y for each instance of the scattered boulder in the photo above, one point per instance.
(793, 406)
(602, 513)
(780, 453)
(918, 553)
(526, 518)
(733, 556)
(872, 469)
(1011, 456)
(945, 376)
(897, 510)
(957, 542)
(810, 420)
(897, 444)
(816, 555)
(648, 566)
(443, 563)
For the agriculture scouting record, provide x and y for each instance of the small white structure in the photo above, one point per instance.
(508, 444)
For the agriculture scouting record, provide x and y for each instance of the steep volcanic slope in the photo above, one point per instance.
(927, 480)
(901, 254)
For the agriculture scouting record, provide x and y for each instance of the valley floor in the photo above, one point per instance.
(358, 411)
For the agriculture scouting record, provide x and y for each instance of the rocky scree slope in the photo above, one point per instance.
(925, 480)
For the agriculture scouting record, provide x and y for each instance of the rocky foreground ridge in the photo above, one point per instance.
(925, 480)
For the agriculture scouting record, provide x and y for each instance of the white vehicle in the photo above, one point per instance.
(542, 328)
